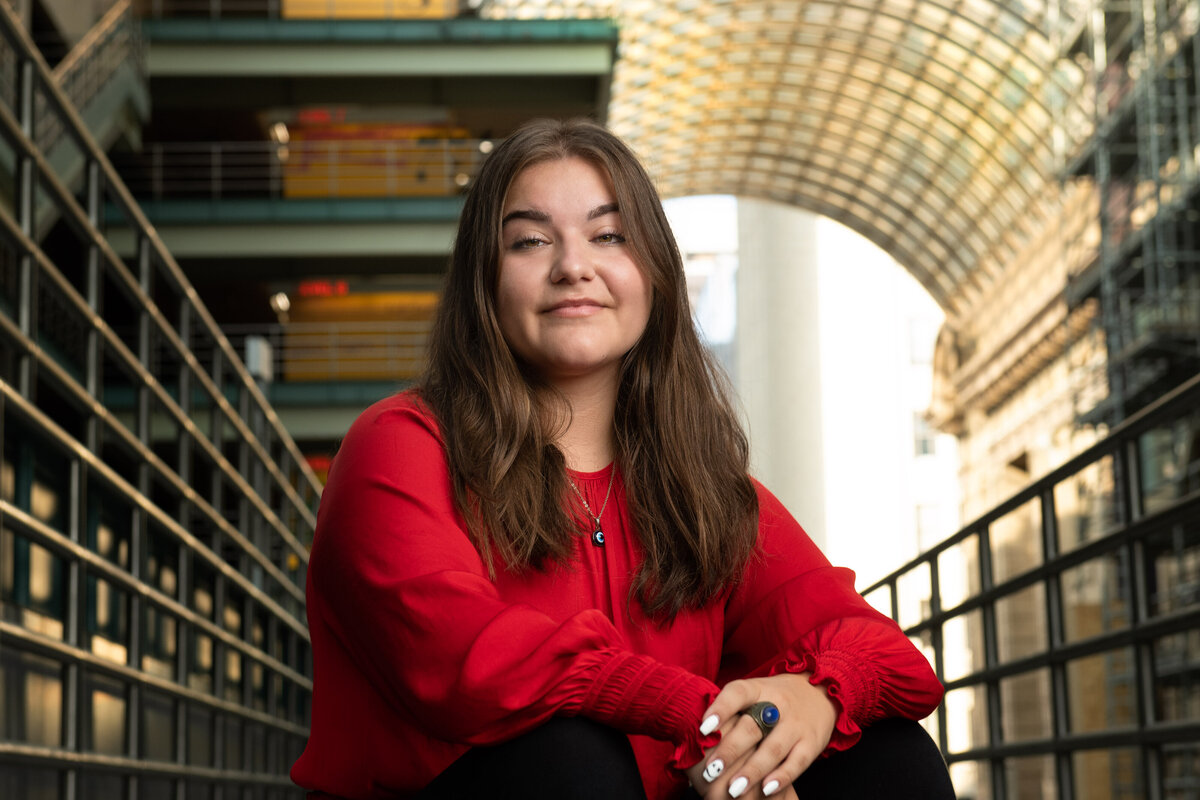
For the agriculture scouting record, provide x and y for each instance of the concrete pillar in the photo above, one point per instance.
(777, 358)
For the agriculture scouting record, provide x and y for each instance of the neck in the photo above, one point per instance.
(588, 443)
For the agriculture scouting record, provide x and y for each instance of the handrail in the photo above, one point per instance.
(304, 168)
(310, 9)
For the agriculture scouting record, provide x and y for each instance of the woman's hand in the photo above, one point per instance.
(752, 766)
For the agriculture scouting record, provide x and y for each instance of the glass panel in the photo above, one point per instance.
(256, 748)
(162, 562)
(199, 791)
(107, 619)
(1021, 623)
(107, 703)
(200, 735)
(1181, 770)
(1170, 461)
(1177, 677)
(258, 686)
(966, 718)
(1115, 774)
(155, 789)
(31, 585)
(200, 674)
(881, 600)
(962, 645)
(101, 786)
(1084, 505)
(1025, 704)
(28, 783)
(913, 590)
(1102, 691)
(159, 648)
(1017, 541)
(972, 779)
(1096, 597)
(233, 742)
(1175, 561)
(109, 526)
(233, 674)
(958, 572)
(158, 726)
(1031, 776)
(34, 688)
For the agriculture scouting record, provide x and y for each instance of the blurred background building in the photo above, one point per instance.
(222, 228)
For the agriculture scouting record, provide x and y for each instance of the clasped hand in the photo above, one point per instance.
(753, 766)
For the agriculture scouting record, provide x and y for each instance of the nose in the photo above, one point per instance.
(572, 263)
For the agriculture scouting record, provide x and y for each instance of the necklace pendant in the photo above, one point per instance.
(598, 537)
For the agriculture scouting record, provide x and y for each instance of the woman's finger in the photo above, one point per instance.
(733, 697)
(772, 771)
(739, 737)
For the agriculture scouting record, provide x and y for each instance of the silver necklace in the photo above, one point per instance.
(597, 531)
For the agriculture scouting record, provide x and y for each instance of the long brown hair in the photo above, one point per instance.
(681, 450)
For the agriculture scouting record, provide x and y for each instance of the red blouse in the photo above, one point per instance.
(418, 656)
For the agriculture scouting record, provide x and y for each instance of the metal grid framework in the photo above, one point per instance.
(1143, 59)
(153, 511)
(936, 129)
(1065, 623)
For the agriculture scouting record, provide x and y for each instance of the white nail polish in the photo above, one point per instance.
(738, 786)
(709, 725)
(771, 788)
(714, 769)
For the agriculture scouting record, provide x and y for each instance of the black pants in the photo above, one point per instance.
(582, 760)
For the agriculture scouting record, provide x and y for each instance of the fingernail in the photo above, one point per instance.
(738, 786)
(709, 725)
(714, 769)
(771, 788)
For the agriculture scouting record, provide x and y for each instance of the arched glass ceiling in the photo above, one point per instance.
(935, 128)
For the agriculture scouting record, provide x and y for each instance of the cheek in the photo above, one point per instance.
(511, 300)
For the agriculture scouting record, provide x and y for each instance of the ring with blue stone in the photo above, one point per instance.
(765, 716)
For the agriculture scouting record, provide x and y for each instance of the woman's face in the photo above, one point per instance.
(571, 300)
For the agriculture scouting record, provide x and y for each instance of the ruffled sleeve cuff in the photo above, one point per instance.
(637, 694)
(853, 692)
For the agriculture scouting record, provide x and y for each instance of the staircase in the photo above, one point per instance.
(104, 77)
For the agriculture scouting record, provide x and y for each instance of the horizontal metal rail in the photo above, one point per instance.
(309, 9)
(316, 168)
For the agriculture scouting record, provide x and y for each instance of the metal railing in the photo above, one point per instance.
(301, 169)
(153, 510)
(309, 9)
(340, 351)
(1064, 622)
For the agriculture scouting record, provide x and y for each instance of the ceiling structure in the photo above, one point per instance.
(935, 128)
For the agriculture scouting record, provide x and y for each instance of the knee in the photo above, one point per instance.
(895, 758)
(578, 756)
(900, 751)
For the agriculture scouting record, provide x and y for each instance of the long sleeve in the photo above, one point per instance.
(411, 616)
(793, 611)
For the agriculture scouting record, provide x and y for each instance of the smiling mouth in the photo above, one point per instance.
(574, 308)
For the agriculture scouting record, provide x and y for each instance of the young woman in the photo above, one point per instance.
(546, 571)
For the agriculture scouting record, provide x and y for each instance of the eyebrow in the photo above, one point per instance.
(542, 216)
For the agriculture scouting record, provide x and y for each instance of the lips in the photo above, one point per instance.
(575, 307)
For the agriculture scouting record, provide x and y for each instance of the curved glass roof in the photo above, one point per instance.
(934, 128)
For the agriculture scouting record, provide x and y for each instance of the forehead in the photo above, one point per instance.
(560, 181)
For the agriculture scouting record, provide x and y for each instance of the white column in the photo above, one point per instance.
(778, 356)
